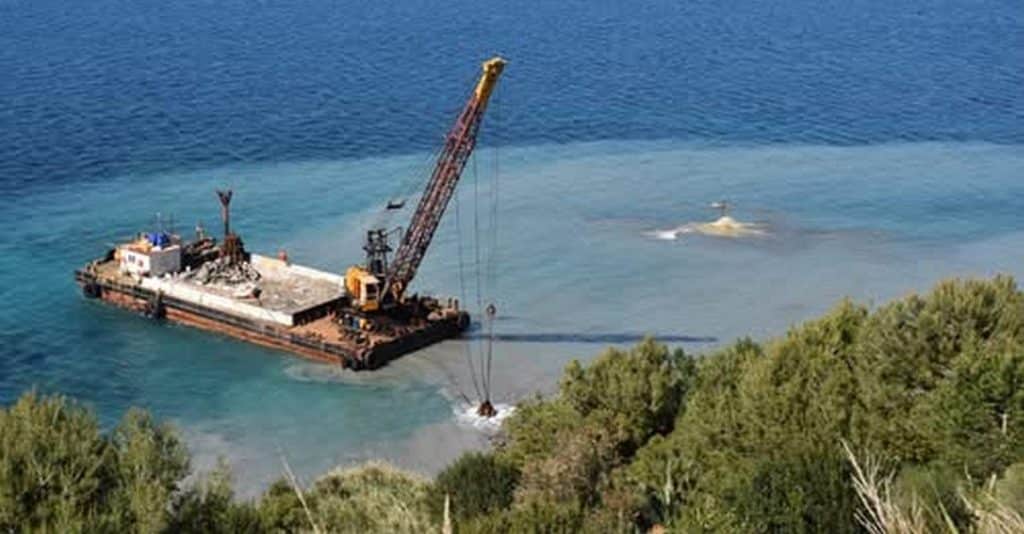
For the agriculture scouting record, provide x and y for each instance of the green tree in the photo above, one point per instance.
(632, 394)
(567, 448)
(577, 472)
(55, 467)
(477, 483)
(925, 379)
(975, 415)
(151, 463)
(280, 509)
(907, 349)
(59, 473)
(1009, 489)
(798, 493)
(535, 517)
(692, 464)
(209, 507)
(745, 439)
(374, 497)
(532, 432)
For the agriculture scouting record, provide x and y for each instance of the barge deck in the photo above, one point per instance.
(299, 310)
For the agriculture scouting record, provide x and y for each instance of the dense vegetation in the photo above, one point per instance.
(908, 418)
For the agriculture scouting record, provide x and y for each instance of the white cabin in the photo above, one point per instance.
(143, 259)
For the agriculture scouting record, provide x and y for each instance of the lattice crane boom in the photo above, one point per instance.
(458, 147)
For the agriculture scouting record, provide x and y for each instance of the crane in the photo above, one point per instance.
(381, 284)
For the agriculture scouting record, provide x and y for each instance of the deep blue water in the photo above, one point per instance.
(880, 143)
(95, 89)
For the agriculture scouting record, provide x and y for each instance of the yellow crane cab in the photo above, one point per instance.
(363, 288)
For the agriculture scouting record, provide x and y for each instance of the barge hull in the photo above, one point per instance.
(142, 300)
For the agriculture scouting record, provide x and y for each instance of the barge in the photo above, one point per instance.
(291, 307)
(360, 320)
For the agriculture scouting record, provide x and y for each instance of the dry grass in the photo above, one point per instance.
(992, 516)
(879, 513)
(298, 493)
(882, 515)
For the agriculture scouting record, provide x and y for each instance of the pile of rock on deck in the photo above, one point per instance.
(237, 276)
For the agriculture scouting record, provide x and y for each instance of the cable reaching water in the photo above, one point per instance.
(462, 293)
(462, 289)
(492, 256)
(485, 278)
(477, 273)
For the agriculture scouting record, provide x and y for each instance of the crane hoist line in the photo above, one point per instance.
(381, 284)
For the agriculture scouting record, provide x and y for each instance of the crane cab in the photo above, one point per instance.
(363, 288)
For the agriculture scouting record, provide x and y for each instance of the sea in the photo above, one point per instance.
(877, 147)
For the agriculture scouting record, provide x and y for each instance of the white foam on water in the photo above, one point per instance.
(723, 227)
(670, 235)
(465, 415)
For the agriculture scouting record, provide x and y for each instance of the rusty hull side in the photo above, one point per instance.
(135, 298)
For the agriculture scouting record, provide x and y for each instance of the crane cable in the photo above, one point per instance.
(492, 255)
(481, 384)
(484, 281)
(408, 186)
(489, 270)
(462, 289)
(476, 269)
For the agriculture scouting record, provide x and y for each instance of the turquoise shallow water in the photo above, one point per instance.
(577, 269)
(880, 144)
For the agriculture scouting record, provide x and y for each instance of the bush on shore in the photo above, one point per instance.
(906, 418)
(59, 472)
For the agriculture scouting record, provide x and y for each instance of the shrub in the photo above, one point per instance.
(746, 439)
(532, 431)
(59, 473)
(798, 492)
(1009, 489)
(55, 467)
(209, 506)
(374, 497)
(538, 517)
(280, 510)
(969, 418)
(576, 473)
(927, 383)
(632, 394)
(477, 483)
(151, 462)
(910, 347)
